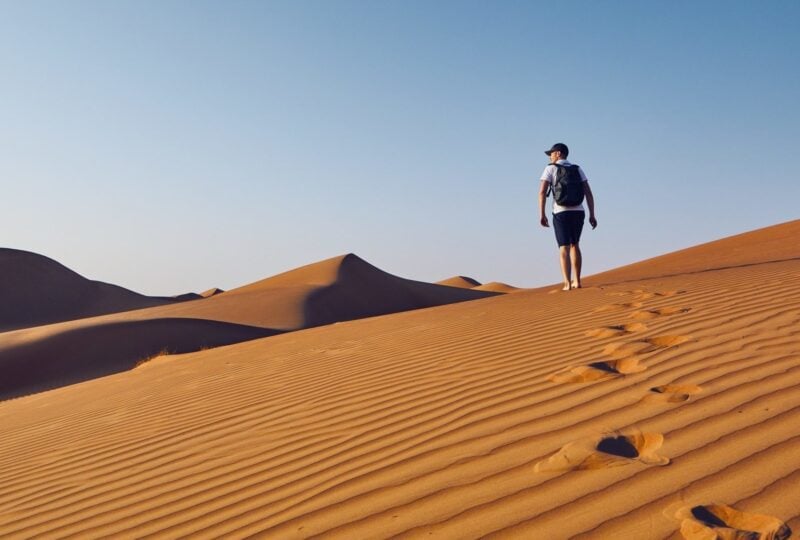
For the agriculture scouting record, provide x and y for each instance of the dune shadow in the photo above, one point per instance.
(671, 393)
(605, 451)
(604, 366)
(84, 353)
(361, 290)
(701, 513)
(598, 371)
(618, 446)
(722, 521)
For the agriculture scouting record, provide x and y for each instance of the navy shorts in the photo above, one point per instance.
(568, 226)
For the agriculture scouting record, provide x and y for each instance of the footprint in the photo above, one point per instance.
(662, 342)
(616, 330)
(626, 349)
(597, 371)
(725, 522)
(604, 332)
(673, 310)
(617, 307)
(604, 451)
(647, 295)
(671, 393)
(647, 314)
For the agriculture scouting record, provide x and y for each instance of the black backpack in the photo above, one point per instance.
(568, 185)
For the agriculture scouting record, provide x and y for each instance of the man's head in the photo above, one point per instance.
(557, 151)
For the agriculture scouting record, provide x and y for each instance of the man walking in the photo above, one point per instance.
(569, 186)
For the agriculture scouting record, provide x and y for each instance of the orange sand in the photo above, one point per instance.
(335, 290)
(434, 422)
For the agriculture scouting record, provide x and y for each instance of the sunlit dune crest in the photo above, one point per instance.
(463, 282)
(497, 286)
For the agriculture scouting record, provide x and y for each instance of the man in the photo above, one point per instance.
(567, 220)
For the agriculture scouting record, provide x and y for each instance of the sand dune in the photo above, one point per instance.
(37, 290)
(469, 283)
(497, 286)
(433, 423)
(334, 290)
(211, 292)
(463, 282)
(776, 243)
(77, 354)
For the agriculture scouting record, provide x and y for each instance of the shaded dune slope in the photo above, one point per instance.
(77, 354)
(37, 290)
(362, 290)
(334, 290)
(338, 289)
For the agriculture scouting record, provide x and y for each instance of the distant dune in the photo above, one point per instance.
(460, 281)
(188, 296)
(211, 292)
(36, 290)
(335, 290)
(661, 402)
(496, 286)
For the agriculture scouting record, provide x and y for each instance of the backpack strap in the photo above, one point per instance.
(570, 166)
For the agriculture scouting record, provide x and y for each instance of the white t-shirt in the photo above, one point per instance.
(549, 176)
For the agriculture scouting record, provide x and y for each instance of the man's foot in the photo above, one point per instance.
(576, 284)
(566, 287)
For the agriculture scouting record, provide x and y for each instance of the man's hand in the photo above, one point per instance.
(593, 222)
(544, 222)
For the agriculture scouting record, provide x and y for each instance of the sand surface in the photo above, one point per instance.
(334, 290)
(649, 407)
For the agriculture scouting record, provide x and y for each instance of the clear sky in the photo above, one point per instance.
(171, 146)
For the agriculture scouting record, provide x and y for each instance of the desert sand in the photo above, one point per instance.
(334, 290)
(662, 400)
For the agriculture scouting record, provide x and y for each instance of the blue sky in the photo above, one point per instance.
(174, 146)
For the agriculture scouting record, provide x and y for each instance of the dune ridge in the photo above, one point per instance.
(497, 286)
(211, 292)
(770, 244)
(37, 290)
(334, 290)
(431, 423)
(463, 282)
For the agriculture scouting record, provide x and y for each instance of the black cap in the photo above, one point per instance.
(558, 147)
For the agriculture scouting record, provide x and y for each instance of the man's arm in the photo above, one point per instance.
(590, 203)
(542, 200)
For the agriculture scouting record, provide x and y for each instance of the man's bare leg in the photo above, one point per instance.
(576, 258)
(565, 266)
